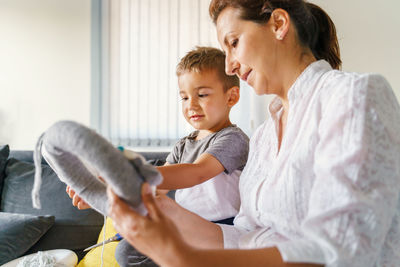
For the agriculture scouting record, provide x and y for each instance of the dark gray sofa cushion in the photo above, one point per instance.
(19, 232)
(4, 152)
(73, 229)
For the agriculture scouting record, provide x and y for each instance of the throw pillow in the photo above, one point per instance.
(19, 232)
(93, 257)
(74, 229)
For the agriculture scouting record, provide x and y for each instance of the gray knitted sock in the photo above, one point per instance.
(79, 155)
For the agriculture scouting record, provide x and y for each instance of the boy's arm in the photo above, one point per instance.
(160, 191)
(186, 175)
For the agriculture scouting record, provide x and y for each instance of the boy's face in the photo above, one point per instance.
(205, 105)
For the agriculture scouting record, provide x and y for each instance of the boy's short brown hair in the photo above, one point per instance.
(207, 58)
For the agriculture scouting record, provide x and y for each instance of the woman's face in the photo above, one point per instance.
(250, 50)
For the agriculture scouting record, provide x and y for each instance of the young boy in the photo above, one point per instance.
(204, 166)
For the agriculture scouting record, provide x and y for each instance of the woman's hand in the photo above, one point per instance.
(154, 235)
(77, 201)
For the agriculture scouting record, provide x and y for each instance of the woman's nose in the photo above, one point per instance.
(231, 65)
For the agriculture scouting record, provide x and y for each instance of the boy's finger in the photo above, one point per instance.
(71, 192)
(149, 202)
(75, 200)
(82, 204)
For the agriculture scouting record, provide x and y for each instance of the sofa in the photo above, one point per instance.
(58, 224)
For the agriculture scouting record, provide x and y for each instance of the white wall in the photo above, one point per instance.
(369, 36)
(44, 67)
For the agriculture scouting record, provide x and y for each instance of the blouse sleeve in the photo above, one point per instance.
(356, 191)
(231, 236)
(232, 233)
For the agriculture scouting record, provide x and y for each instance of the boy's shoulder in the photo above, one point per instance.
(230, 146)
(232, 131)
(190, 137)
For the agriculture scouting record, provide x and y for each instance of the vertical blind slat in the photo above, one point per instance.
(146, 40)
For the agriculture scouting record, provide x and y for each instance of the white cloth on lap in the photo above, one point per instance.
(48, 258)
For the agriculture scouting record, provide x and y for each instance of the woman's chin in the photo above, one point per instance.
(260, 91)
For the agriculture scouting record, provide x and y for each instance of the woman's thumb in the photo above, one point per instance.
(149, 201)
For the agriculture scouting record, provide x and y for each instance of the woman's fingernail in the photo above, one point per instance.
(109, 193)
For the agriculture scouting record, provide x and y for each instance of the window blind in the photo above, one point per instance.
(143, 41)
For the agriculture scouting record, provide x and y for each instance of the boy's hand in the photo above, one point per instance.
(77, 201)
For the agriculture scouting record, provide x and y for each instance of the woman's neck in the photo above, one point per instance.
(292, 69)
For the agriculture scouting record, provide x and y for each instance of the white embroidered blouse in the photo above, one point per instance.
(331, 194)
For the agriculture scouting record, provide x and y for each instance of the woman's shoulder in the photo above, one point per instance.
(348, 86)
(363, 93)
(337, 80)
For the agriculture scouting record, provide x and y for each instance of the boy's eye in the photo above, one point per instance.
(184, 98)
(203, 95)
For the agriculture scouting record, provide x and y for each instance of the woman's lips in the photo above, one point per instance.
(245, 76)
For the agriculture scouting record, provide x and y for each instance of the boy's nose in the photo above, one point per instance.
(193, 104)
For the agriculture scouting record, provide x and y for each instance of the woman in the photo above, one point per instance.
(321, 185)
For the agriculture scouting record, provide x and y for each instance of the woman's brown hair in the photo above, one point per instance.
(314, 27)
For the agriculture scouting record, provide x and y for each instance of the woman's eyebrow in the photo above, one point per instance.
(226, 38)
(226, 43)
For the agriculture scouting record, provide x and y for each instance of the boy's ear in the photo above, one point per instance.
(234, 95)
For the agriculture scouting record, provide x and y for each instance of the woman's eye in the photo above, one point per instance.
(203, 95)
(184, 98)
(234, 43)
